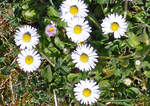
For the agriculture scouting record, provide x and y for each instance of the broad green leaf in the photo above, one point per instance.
(59, 43)
(2, 59)
(124, 62)
(29, 14)
(104, 84)
(147, 74)
(52, 12)
(133, 40)
(47, 73)
(72, 77)
(135, 90)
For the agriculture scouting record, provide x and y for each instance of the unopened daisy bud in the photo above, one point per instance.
(65, 50)
(137, 62)
(127, 82)
(87, 92)
(51, 30)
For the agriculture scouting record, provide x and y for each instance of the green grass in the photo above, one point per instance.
(57, 72)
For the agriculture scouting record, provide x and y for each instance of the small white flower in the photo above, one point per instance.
(87, 91)
(114, 24)
(26, 37)
(29, 60)
(127, 82)
(85, 57)
(137, 62)
(70, 9)
(78, 30)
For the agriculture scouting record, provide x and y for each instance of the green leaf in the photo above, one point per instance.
(104, 84)
(146, 64)
(135, 90)
(146, 38)
(47, 73)
(147, 74)
(133, 40)
(102, 1)
(29, 14)
(2, 59)
(117, 72)
(58, 42)
(72, 77)
(52, 12)
(62, 23)
(124, 62)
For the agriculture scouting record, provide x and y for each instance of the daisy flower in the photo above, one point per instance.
(78, 30)
(26, 37)
(84, 57)
(114, 24)
(87, 92)
(29, 60)
(50, 30)
(73, 8)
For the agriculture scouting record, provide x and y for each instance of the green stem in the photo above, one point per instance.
(107, 76)
(47, 59)
(126, 8)
(52, 3)
(105, 57)
(127, 56)
(119, 57)
(91, 18)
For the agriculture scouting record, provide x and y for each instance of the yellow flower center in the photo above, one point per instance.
(84, 58)
(114, 26)
(86, 92)
(74, 10)
(29, 60)
(77, 29)
(51, 29)
(26, 37)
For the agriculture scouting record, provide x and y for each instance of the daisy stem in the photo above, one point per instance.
(119, 57)
(47, 59)
(105, 57)
(127, 56)
(11, 84)
(55, 98)
(126, 8)
(51, 2)
(94, 21)
(11, 89)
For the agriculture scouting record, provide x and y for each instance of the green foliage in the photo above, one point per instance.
(57, 72)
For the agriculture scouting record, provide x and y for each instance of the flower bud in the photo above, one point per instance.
(127, 82)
